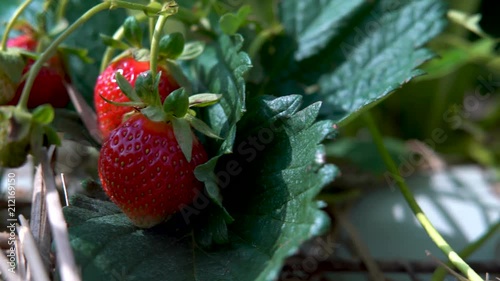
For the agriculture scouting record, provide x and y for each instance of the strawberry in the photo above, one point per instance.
(49, 83)
(147, 164)
(144, 171)
(109, 116)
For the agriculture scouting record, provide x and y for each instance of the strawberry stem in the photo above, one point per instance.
(23, 101)
(151, 25)
(11, 23)
(155, 42)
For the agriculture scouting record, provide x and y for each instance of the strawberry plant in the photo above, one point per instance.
(208, 120)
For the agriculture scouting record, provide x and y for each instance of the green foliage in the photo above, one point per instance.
(268, 165)
(220, 70)
(384, 60)
(373, 52)
(231, 22)
(267, 225)
(44, 114)
(314, 23)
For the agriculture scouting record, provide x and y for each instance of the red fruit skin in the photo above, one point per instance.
(48, 86)
(145, 173)
(110, 116)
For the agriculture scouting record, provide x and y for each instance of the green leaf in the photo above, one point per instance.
(191, 50)
(172, 45)
(381, 59)
(111, 42)
(176, 71)
(80, 53)
(231, 22)
(184, 136)
(177, 103)
(203, 100)
(51, 135)
(220, 69)
(314, 23)
(201, 127)
(471, 22)
(133, 32)
(126, 87)
(43, 114)
(146, 87)
(127, 103)
(271, 197)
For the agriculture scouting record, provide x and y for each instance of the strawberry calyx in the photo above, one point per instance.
(176, 109)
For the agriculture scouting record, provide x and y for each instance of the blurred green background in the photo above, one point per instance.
(453, 109)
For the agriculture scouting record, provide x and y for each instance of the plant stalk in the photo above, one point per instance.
(12, 22)
(440, 272)
(172, 7)
(155, 43)
(454, 258)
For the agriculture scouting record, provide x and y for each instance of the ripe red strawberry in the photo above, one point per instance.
(49, 83)
(144, 171)
(110, 116)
